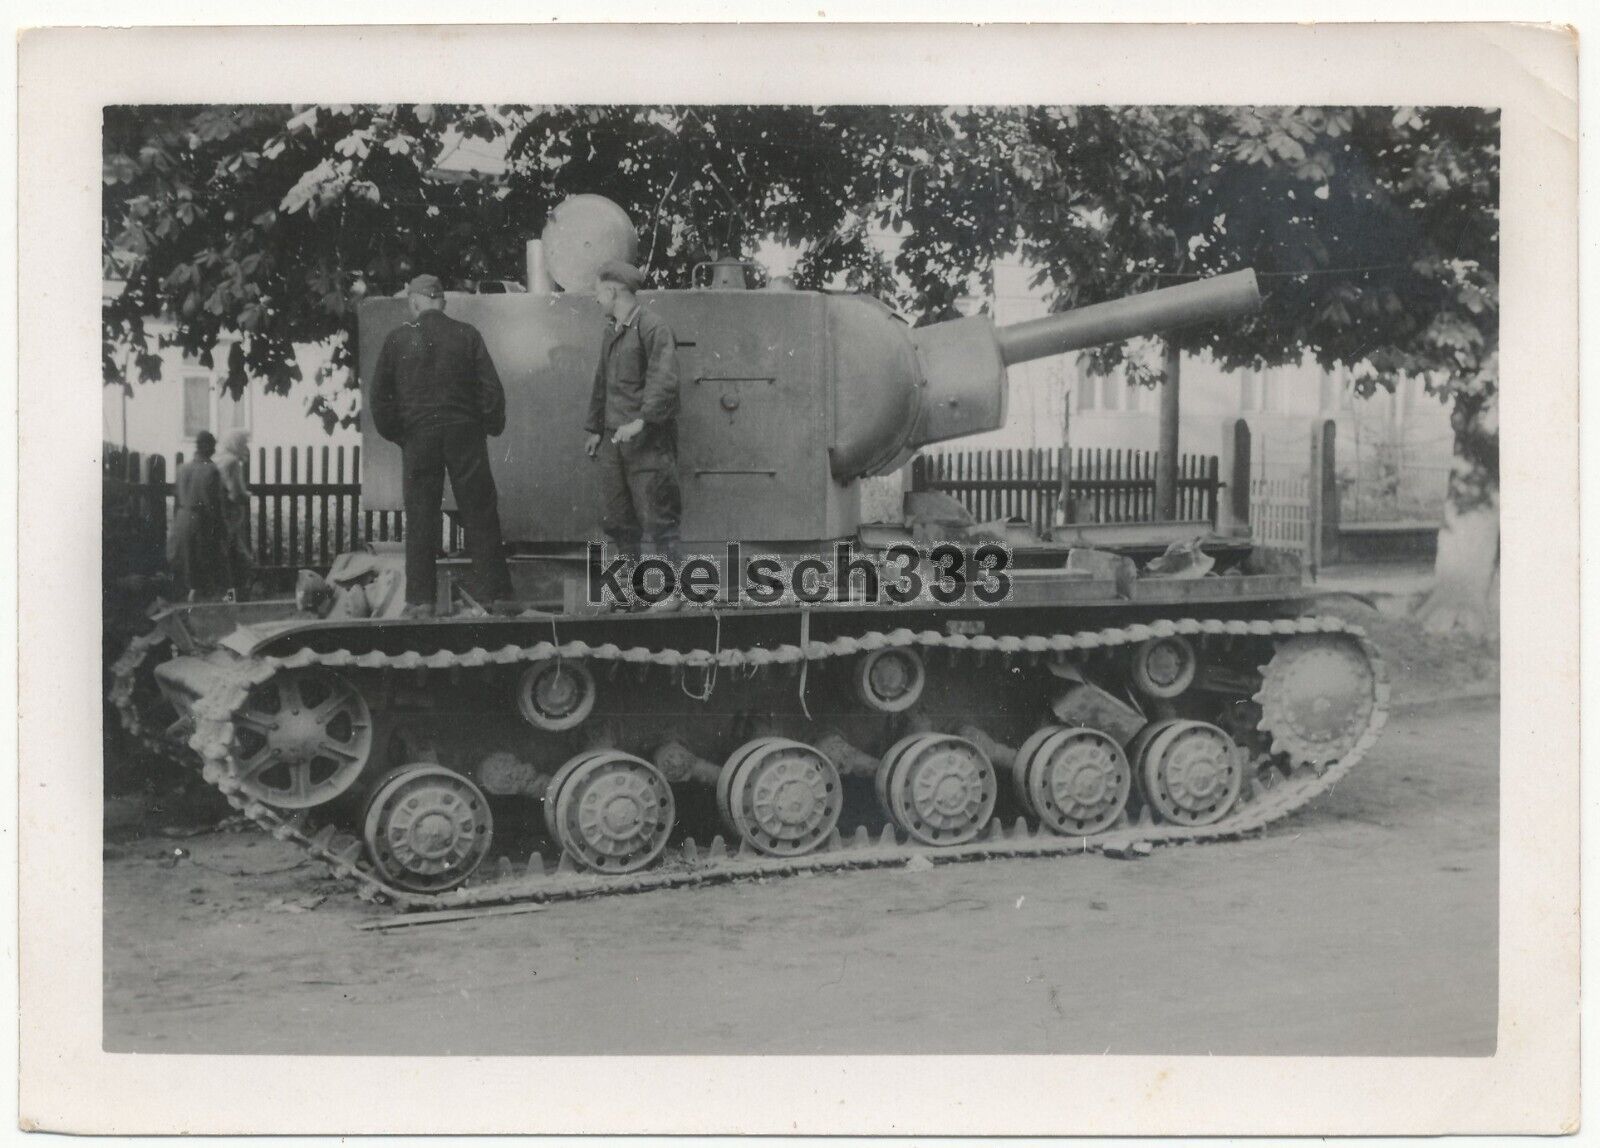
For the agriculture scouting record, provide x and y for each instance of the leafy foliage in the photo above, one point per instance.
(1374, 230)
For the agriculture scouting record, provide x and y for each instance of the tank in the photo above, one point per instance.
(1122, 687)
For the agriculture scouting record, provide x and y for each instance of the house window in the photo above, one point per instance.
(1111, 388)
(1328, 387)
(1086, 393)
(196, 404)
(233, 413)
(1249, 391)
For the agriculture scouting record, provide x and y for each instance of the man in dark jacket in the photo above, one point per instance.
(436, 393)
(633, 419)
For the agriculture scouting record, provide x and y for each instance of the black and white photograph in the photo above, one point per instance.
(809, 578)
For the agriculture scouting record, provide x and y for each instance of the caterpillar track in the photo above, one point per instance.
(1302, 701)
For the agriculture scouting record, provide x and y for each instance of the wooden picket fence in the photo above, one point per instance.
(305, 508)
(1104, 485)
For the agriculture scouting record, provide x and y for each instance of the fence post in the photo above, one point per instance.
(1326, 478)
(1233, 512)
(1322, 493)
(155, 479)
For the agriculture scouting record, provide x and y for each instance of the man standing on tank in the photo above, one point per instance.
(633, 419)
(437, 394)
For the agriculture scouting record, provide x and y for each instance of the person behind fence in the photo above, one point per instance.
(437, 394)
(196, 550)
(240, 555)
(632, 423)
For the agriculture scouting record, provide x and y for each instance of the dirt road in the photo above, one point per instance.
(1367, 925)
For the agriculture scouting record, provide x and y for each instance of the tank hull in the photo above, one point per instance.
(748, 742)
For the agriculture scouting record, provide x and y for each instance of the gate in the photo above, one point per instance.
(1281, 517)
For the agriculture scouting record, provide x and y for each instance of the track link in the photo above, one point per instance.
(504, 882)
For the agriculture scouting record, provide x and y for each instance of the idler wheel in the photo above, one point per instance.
(301, 738)
(1075, 781)
(610, 811)
(555, 695)
(940, 789)
(1190, 772)
(1317, 697)
(781, 797)
(1164, 667)
(427, 828)
(890, 680)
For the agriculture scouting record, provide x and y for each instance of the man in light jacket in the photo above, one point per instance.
(633, 419)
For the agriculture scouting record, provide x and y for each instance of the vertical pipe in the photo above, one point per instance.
(1093, 464)
(261, 502)
(277, 506)
(1116, 486)
(1018, 494)
(1213, 484)
(338, 503)
(1031, 469)
(1064, 481)
(1027, 496)
(324, 554)
(1167, 463)
(294, 503)
(360, 522)
(1068, 396)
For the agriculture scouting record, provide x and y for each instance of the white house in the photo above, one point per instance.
(163, 417)
(1392, 445)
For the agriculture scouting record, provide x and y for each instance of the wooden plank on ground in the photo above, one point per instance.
(447, 916)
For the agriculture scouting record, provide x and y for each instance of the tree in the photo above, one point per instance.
(1374, 230)
(256, 228)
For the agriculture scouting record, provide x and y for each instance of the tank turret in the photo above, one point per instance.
(789, 398)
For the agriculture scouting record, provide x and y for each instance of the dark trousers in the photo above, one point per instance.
(462, 452)
(639, 486)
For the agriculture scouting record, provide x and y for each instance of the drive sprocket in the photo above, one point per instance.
(1317, 697)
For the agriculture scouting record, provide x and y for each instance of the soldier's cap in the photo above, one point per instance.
(428, 285)
(616, 271)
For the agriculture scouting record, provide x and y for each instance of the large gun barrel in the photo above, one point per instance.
(963, 362)
(1205, 300)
